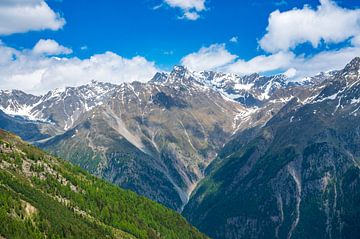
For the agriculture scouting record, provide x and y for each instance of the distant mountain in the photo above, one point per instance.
(297, 176)
(61, 107)
(44, 197)
(28, 129)
(255, 90)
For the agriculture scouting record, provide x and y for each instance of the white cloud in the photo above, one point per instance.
(356, 41)
(217, 57)
(234, 39)
(290, 73)
(50, 47)
(324, 61)
(6, 53)
(39, 73)
(261, 64)
(208, 58)
(18, 16)
(190, 8)
(198, 5)
(328, 23)
(191, 16)
(157, 7)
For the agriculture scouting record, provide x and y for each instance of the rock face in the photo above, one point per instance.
(155, 138)
(298, 176)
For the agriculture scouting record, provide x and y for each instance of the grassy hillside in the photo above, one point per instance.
(44, 197)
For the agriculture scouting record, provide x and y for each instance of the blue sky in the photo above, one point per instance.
(162, 34)
(132, 27)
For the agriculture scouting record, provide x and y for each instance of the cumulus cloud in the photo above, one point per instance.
(39, 73)
(50, 47)
(191, 16)
(217, 57)
(190, 8)
(324, 61)
(18, 16)
(356, 41)
(234, 39)
(328, 23)
(198, 5)
(290, 73)
(6, 53)
(208, 58)
(261, 64)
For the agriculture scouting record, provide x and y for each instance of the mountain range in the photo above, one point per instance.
(140, 135)
(297, 176)
(240, 156)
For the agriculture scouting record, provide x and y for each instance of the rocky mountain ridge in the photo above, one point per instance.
(164, 132)
(297, 176)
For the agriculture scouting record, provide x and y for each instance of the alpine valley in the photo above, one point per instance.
(239, 156)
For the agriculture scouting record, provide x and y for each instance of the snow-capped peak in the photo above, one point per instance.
(62, 105)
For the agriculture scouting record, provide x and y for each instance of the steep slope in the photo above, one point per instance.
(298, 176)
(44, 197)
(164, 133)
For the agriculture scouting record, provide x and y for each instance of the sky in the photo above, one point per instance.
(57, 43)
